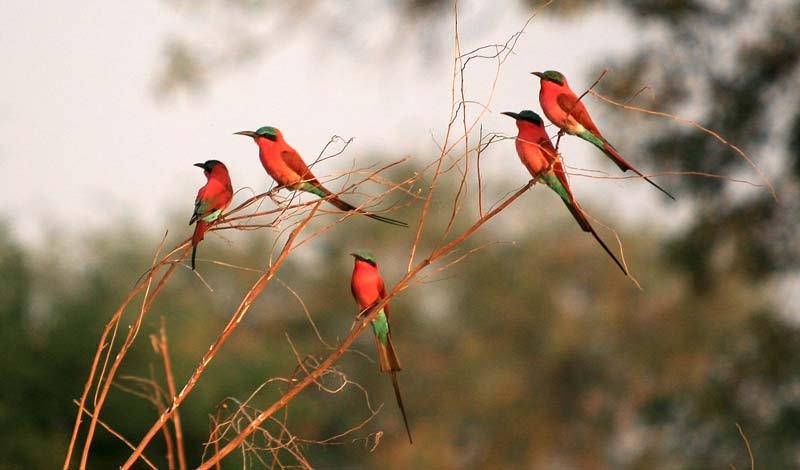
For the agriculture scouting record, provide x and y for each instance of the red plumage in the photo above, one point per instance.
(368, 289)
(563, 108)
(537, 153)
(214, 197)
(285, 165)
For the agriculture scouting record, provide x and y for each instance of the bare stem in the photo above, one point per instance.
(237, 317)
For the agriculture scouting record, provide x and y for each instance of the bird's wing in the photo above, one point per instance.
(569, 103)
(199, 210)
(221, 200)
(382, 292)
(198, 205)
(546, 145)
(208, 202)
(293, 160)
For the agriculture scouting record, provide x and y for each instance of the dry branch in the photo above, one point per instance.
(694, 124)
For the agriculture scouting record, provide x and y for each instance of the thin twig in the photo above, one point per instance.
(747, 445)
(115, 434)
(367, 318)
(176, 419)
(260, 284)
(132, 332)
(307, 313)
(699, 127)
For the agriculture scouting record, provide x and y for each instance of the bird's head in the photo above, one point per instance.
(266, 132)
(209, 165)
(526, 115)
(364, 256)
(551, 76)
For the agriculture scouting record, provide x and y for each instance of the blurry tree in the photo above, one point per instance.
(551, 358)
(226, 33)
(736, 65)
(740, 62)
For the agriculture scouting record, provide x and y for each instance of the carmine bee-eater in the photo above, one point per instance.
(212, 199)
(285, 166)
(368, 289)
(562, 107)
(539, 157)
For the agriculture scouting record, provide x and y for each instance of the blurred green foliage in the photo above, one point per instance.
(534, 354)
(738, 63)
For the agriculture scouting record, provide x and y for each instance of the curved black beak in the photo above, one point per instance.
(538, 74)
(247, 133)
(510, 114)
(354, 255)
(201, 165)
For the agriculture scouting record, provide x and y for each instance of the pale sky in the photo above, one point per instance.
(87, 143)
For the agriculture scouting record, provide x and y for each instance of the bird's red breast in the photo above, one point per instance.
(367, 285)
(282, 162)
(534, 147)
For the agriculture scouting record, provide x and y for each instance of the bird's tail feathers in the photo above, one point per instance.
(194, 253)
(611, 151)
(610, 253)
(347, 207)
(387, 356)
(580, 216)
(342, 205)
(398, 223)
(316, 189)
(623, 164)
(389, 363)
(399, 398)
(197, 237)
(607, 149)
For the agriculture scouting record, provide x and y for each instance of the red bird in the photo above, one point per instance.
(540, 158)
(562, 107)
(288, 169)
(368, 289)
(212, 199)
